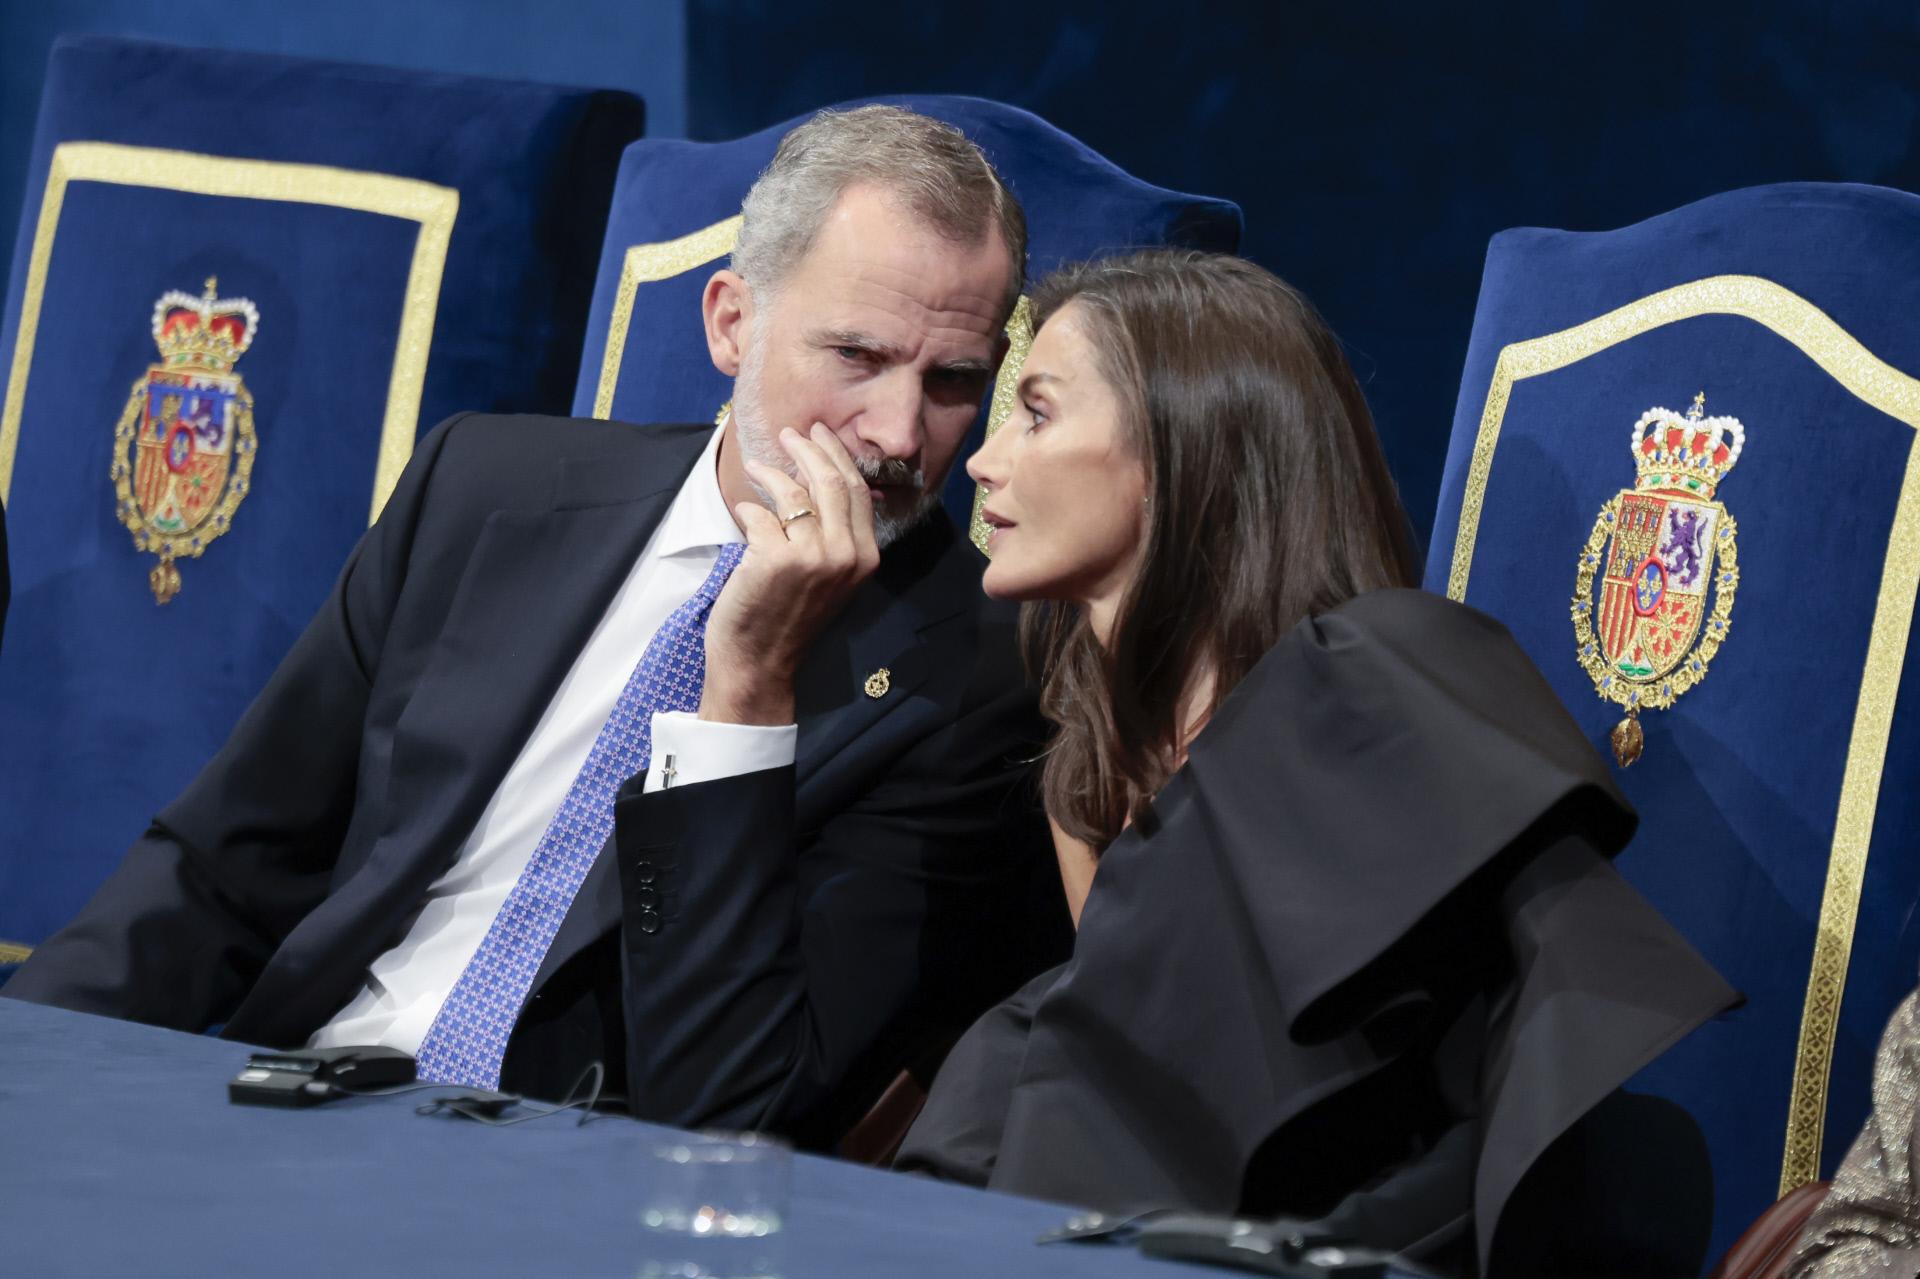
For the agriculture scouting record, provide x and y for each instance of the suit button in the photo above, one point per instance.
(649, 921)
(646, 898)
(644, 873)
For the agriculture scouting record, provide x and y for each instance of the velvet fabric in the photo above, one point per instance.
(6, 585)
(1078, 206)
(1741, 779)
(103, 1112)
(110, 703)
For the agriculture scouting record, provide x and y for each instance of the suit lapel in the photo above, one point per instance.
(534, 588)
(880, 629)
(869, 664)
(832, 697)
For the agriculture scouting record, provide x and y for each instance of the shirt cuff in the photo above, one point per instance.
(704, 750)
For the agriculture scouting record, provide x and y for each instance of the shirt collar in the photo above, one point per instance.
(699, 519)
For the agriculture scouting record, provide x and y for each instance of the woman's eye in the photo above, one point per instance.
(1034, 417)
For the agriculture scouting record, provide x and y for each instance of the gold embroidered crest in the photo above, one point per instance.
(1668, 566)
(184, 447)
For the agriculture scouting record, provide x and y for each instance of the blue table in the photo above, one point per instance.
(120, 1155)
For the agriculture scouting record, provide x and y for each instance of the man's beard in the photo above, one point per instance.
(756, 438)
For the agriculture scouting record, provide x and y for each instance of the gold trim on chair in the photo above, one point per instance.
(649, 263)
(644, 264)
(1892, 392)
(433, 207)
(1006, 384)
(14, 952)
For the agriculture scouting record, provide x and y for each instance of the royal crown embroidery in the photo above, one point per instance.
(1665, 556)
(184, 448)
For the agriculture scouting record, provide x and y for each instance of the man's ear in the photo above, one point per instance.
(726, 308)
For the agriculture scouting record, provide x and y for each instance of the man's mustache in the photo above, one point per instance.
(890, 472)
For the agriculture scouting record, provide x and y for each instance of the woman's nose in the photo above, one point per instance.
(987, 466)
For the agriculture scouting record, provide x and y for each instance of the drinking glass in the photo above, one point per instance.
(713, 1206)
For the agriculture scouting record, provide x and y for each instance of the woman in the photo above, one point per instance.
(1348, 944)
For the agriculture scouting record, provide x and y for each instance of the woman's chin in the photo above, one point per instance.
(1001, 582)
(994, 590)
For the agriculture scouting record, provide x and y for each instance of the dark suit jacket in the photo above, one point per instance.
(812, 919)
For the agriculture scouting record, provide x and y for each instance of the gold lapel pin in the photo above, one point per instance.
(879, 682)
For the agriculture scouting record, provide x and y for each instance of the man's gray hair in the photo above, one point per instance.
(938, 172)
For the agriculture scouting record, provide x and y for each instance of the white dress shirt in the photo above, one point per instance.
(405, 987)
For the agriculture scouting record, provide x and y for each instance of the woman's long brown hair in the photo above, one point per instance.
(1269, 500)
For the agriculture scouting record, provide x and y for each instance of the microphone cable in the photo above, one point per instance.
(489, 1107)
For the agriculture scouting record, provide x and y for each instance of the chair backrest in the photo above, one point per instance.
(676, 210)
(241, 284)
(1742, 593)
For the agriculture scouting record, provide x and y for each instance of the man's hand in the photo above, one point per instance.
(793, 580)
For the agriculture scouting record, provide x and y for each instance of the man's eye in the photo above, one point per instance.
(850, 353)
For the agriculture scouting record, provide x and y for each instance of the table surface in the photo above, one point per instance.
(120, 1155)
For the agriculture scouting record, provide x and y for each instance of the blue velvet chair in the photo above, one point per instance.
(242, 283)
(676, 211)
(675, 214)
(1682, 471)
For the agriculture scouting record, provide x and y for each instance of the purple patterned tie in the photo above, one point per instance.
(468, 1038)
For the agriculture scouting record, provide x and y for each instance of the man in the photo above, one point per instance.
(490, 812)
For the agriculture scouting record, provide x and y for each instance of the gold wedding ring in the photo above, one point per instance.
(800, 514)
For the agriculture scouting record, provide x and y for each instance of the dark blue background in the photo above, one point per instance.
(1374, 147)
(636, 45)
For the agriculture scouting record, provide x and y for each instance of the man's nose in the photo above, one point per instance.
(892, 422)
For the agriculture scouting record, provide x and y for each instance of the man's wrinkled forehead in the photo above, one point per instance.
(873, 250)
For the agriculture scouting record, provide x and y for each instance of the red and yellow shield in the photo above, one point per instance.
(186, 441)
(1668, 566)
(1654, 593)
